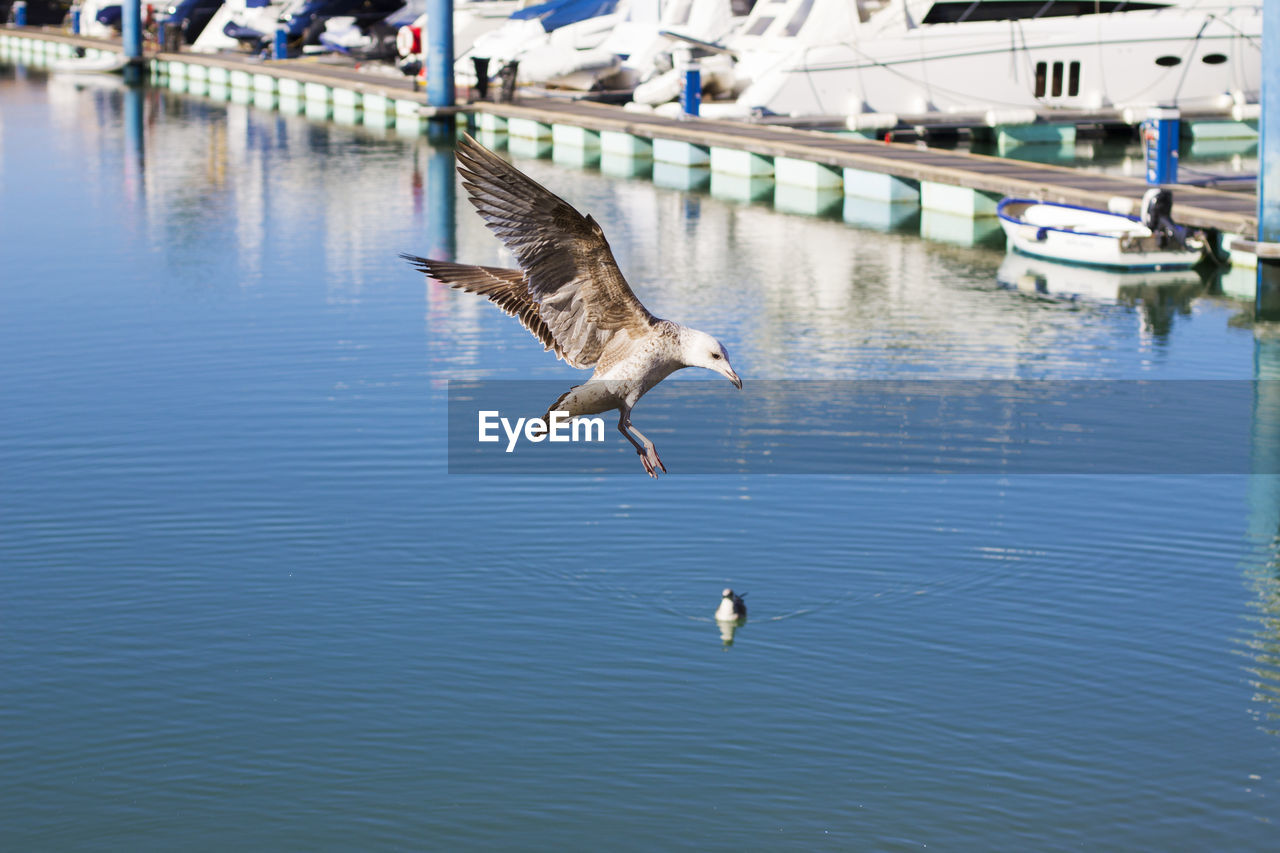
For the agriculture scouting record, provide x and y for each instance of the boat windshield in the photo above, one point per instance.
(867, 8)
(681, 13)
(798, 19)
(558, 13)
(780, 18)
(958, 11)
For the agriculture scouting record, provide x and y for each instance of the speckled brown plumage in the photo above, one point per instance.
(571, 295)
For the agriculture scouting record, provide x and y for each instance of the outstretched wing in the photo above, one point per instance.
(505, 288)
(569, 269)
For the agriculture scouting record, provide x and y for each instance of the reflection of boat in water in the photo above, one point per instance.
(1101, 238)
(1049, 278)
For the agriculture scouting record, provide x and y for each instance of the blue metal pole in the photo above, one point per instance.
(1268, 300)
(691, 94)
(440, 53)
(131, 28)
(1160, 140)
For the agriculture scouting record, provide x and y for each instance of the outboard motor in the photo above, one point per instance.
(1157, 214)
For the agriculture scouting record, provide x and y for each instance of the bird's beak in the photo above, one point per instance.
(733, 377)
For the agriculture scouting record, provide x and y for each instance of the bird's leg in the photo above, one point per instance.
(651, 449)
(623, 423)
(647, 452)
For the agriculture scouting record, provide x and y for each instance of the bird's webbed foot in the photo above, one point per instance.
(644, 447)
(652, 464)
(648, 454)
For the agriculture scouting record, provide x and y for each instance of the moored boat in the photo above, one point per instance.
(1101, 238)
(875, 60)
(103, 63)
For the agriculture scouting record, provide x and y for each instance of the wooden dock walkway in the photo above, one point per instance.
(1227, 212)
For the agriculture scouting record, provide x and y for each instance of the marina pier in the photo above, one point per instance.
(823, 165)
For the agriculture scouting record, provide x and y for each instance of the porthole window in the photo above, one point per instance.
(1168, 61)
(1213, 59)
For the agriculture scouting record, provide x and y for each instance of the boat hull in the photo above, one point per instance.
(1195, 54)
(106, 63)
(1086, 237)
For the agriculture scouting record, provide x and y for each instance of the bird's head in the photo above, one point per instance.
(701, 350)
(728, 593)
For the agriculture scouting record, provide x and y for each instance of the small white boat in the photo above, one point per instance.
(103, 63)
(1100, 238)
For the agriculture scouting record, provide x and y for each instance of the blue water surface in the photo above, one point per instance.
(244, 605)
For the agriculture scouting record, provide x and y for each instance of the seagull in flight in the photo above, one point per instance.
(570, 294)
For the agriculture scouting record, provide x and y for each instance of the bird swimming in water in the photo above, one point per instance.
(732, 608)
(571, 295)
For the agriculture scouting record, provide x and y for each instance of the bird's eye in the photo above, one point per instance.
(715, 355)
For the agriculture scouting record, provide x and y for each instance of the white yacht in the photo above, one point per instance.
(471, 20)
(252, 24)
(558, 44)
(615, 45)
(849, 57)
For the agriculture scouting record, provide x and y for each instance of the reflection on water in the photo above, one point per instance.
(1160, 296)
(1263, 642)
(442, 201)
(728, 630)
(135, 152)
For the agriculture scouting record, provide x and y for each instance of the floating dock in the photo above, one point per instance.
(956, 184)
(861, 167)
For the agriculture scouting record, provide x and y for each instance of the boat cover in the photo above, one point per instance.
(558, 13)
